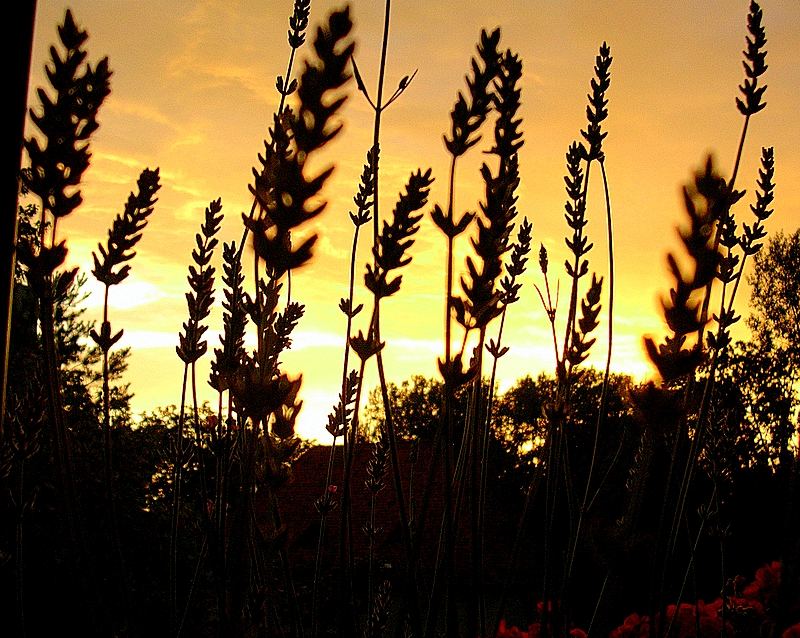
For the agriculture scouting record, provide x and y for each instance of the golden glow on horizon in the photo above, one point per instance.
(193, 92)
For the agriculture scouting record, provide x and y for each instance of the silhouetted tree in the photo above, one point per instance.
(762, 375)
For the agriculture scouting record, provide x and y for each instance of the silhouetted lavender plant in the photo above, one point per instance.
(281, 188)
(754, 67)
(296, 36)
(58, 160)
(510, 285)
(370, 187)
(750, 240)
(751, 102)
(390, 254)
(576, 342)
(482, 300)
(596, 113)
(262, 396)
(191, 347)
(706, 201)
(339, 419)
(223, 368)
(234, 321)
(110, 269)
(718, 341)
(364, 201)
(66, 123)
(577, 182)
(466, 119)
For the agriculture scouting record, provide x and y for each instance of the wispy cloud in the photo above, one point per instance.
(141, 110)
(134, 294)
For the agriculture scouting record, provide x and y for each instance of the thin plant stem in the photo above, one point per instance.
(414, 610)
(691, 560)
(718, 232)
(281, 104)
(447, 449)
(199, 442)
(603, 408)
(344, 395)
(177, 475)
(198, 564)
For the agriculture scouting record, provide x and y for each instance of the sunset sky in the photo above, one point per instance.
(193, 91)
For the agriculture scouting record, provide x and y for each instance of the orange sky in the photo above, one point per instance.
(193, 92)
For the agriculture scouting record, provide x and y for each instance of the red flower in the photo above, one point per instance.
(634, 626)
(534, 631)
(513, 632)
(792, 632)
(765, 586)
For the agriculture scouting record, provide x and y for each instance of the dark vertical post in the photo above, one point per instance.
(18, 31)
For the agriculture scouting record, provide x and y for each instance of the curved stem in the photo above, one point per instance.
(344, 394)
(601, 414)
(414, 611)
(718, 231)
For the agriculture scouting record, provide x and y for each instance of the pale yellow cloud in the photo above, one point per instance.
(135, 109)
(147, 339)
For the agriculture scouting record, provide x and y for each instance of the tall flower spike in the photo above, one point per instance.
(234, 320)
(395, 238)
(507, 134)
(596, 110)
(281, 188)
(466, 118)
(765, 194)
(366, 190)
(576, 210)
(201, 281)
(66, 123)
(517, 264)
(481, 302)
(298, 22)
(754, 64)
(706, 201)
(580, 344)
(126, 231)
(277, 336)
(312, 126)
(343, 410)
